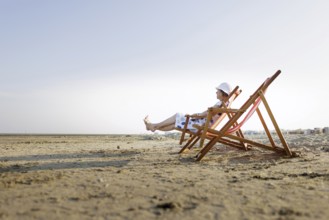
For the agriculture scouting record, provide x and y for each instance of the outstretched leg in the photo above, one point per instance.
(166, 125)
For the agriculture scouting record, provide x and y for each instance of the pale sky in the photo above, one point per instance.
(99, 67)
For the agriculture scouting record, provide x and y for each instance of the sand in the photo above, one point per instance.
(143, 177)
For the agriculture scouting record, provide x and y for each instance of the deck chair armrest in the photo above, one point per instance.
(195, 116)
(215, 110)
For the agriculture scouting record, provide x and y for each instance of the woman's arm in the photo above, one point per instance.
(201, 115)
(205, 113)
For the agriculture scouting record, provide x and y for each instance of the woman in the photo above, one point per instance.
(178, 120)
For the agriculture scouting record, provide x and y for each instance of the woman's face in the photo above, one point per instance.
(219, 95)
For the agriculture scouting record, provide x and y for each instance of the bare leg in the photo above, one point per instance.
(166, 125)
(167, 128)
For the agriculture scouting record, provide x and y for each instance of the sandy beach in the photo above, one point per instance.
(143, 177)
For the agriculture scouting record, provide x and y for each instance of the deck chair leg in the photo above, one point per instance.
(201, 141)
(205, 129)
(194, 142)
(276, 126)
(184, 130)
(240, 134)
(206, 148)
(267, 131)
(188, 145)
(194, 138)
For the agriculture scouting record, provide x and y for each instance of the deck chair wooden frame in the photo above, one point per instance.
(226, 134)
(201, 132)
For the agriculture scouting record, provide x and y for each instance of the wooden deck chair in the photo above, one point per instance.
(226, 134)
(202, 130)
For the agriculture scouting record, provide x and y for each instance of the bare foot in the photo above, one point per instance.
(148, 124)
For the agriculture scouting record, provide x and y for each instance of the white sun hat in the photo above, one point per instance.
(225, 87)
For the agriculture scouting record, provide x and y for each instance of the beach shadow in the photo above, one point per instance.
(255, 157)
(96, 154)
(66, 161)
(234, 156)
(63, 165)
(191, 159)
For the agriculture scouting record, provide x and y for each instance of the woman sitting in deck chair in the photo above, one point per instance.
(177, 121)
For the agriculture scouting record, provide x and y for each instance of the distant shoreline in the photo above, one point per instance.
(169, 134)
